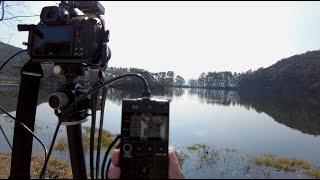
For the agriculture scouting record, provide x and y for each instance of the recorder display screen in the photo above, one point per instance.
(146, 125)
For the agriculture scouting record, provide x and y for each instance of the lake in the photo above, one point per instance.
(243, 123)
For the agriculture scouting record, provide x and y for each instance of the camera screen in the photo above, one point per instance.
(146, 125)
(56, 40)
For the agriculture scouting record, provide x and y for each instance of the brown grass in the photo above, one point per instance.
(106, 138)
(314, 172)
(57, 168)
(287, 164)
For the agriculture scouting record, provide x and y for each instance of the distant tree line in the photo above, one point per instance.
(225, 79)
(158, 80)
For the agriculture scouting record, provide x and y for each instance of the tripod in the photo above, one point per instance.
(31, 74)
(61, 100)
(71, 104)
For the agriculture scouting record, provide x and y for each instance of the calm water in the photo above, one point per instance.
(249, 123)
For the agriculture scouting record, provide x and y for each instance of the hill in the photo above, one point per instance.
(295, 74)
(7, 50)
(11, 71)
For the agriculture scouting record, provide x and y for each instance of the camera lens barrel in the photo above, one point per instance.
(58, 100)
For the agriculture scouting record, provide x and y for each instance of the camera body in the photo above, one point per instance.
(73, 32)
(144, 138)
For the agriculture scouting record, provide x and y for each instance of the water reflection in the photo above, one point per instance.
(116, 95)
(9, 96)
(221, 97)
(301, 113)
(293, 111)
(296, 112)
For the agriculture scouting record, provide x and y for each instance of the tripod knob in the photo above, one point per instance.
(58, 100)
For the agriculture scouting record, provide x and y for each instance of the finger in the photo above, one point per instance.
(172, 156)
(175, 171)
(115, 157)
(114, 173)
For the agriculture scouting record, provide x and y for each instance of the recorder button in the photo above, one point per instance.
(145, 169)
(127, 148)
(161, 148)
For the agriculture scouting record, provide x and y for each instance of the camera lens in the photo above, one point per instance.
(58, 100)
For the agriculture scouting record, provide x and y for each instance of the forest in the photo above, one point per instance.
(298, 74)
(158, 80)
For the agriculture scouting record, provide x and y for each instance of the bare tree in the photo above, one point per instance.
(9, 11)
(12, 13)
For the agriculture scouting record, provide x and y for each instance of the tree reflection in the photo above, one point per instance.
(221, 97)
(117, 95)
(9, 96)
(298, 112)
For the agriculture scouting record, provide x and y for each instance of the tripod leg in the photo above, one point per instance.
(78, 164)
(26, 112)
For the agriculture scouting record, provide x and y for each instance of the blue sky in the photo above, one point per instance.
(195, 37)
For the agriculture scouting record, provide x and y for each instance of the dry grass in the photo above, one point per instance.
(195, 147)
(282, 163)
(106, 138)
(57, 168)
(61, 144)
(266, 159)
(287, 164)
(181, 156)
(314, 172)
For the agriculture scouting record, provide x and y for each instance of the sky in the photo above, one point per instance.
(192, 37)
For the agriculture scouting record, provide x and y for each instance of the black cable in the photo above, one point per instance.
(94, 98)
(106, 155)
(146, 92)
(103, 102)
(44, 167)
(14, 55)
(24, 126)
(6, 138)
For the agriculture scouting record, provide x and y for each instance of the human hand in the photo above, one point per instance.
(175, 171)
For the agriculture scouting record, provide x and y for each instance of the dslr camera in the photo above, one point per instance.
(71, 33)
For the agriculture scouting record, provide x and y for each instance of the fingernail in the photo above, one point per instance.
(171, 148)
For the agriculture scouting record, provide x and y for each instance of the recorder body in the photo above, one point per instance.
(144, 138)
